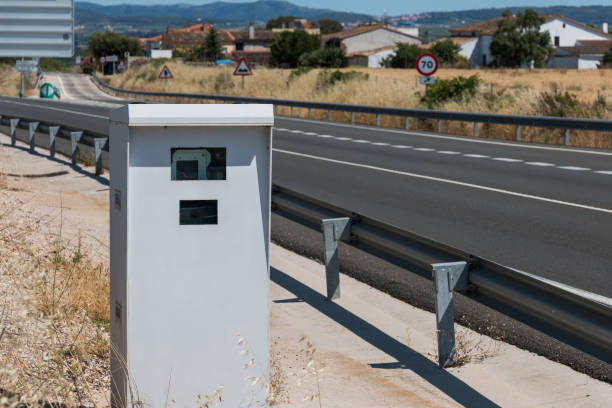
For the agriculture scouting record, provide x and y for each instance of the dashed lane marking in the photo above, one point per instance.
(447, 152)
(448, 181)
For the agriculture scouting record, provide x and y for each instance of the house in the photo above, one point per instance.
(194, 36)
(585, 54)
(253, 44)
(370, 58)
(368, 40)
(564, 32)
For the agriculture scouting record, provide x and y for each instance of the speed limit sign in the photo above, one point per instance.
(427, 64)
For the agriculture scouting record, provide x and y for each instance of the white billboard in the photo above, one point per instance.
(37, 28)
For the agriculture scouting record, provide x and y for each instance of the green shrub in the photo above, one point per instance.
(562, 105)
(53, 65)
(329, 57)
(404, 57)
(296, 73)
(157, 63)
(329, 78)
(456, 89)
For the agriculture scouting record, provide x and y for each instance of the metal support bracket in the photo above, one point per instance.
(475, 129)
(99, 143)
(75, 137)
(407, 124)
(334, 230)
(53, 131)
(378, 119)
(13, 123)
(32, 126)
(567, 137)
(518, 133)
(447, 277)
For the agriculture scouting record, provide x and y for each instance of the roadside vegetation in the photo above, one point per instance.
(508, 91)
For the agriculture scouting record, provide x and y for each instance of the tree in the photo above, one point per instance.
(606, 62)
(404, 57)
(446, 51)
(328, 57)
(329, 26)
(518, 40)
(288, 46)
(280, 21)
(213, 48)
(110, 43)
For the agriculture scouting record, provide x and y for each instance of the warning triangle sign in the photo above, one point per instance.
(165, 73)
(243, 68)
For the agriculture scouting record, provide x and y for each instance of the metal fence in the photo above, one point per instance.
(474, 117)
(576, 317)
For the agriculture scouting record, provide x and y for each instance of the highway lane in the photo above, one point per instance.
(542, 209)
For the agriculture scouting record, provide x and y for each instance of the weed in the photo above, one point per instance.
(327, 79)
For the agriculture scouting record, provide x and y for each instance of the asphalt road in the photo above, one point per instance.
(543, 209)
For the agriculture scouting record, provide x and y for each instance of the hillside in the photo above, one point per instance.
(585, 14)
(258, 11)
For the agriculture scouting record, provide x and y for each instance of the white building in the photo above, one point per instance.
(564, 32)
(367, 44)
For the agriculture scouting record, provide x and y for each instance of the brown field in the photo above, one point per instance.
(502, 91)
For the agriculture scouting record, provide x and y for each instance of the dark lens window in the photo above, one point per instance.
(187, 170)
(198, 212)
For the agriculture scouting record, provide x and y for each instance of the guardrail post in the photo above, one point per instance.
(275, 110)
(13, 123)
(518, 133)
(291, 112)
(329, 115)
(352, 118)
(439, 126)
(52, 133)
(99, 143)
(567, 137)
(407, 125)
(309, 113)
(334, 229)
(75, 137)
(378, 119)
(475, 129)
(447, 277)
(32, 126)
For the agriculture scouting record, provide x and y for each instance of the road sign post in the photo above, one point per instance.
(165, 74)
(243, 69)
(427, 65)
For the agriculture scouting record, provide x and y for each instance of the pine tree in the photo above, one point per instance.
(214, 49)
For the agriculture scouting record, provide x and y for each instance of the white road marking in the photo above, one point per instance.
(360, 141)
(281, 129)
(507, 159)
(448, 152)
(325, 136)
(477, 156)
(343, 138)
(609, 173)
(423, 149)
(401, 147)
(295, 131)
(574, 168)
(540, 164)
(310, 133)
(448, 181)
(380, 144)
(63, 89)
(458, 138)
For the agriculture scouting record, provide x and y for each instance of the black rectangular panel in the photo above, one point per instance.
(198, 212)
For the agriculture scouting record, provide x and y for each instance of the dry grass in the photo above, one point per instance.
(9, 80)
(54, 313)
(513, 92)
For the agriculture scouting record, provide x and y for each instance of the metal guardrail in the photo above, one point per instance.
(475, 117)
(576, 317)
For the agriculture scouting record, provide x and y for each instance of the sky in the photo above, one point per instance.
(391, 7)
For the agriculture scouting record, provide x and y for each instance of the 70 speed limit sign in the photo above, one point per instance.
(427, 64)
